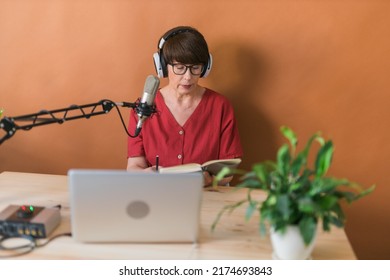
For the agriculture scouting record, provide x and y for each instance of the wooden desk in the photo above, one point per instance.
(233, 238)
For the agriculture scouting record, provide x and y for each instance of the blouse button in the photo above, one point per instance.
(179, 156)
(181, 132)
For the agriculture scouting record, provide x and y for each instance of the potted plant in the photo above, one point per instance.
(298, 196)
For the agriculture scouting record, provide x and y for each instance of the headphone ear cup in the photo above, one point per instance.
(161, 66)
(157, 65)
(207, 69)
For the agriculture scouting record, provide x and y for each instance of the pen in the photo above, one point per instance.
(157, 159)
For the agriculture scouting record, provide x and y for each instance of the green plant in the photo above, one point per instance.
(296, 193)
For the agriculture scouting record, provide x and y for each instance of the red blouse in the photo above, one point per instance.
(209, 133)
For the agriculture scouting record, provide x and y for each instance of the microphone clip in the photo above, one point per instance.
(144, 108)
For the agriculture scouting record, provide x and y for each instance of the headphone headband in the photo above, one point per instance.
(171, 34)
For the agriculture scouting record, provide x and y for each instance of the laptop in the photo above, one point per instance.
(139, 207)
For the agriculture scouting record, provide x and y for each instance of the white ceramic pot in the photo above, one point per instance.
(290, 245)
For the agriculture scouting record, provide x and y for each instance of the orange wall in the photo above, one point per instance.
(312, 65)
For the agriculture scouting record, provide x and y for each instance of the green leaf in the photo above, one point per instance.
(282, 204)
(262, 227)
(271, 200)
(247, 175)
(252, 206)
(306, 205)
(224, 172)
(251, 184)
(326, 185)
(291, 136)
(307, 227)
(326, 222)
(221, 174)
(250, 210)
(365, 192)
(327, 202)
(336, 219)
(228, 208)
(301, 159)
(283, 159)
(337, 216)
(276, 182)
(298, 163)
(261, 172)
(324, 159)
(295, 186)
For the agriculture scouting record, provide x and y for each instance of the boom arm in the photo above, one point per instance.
(26, 122)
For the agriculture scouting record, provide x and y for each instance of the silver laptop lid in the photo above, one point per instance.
(119, 206)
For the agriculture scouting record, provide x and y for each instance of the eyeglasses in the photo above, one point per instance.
(181, 69)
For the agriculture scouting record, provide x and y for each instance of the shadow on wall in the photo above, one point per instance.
(240, 74)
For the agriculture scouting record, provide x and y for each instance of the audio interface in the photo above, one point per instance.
(34, 221)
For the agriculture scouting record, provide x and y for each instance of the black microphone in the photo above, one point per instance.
(146, 106)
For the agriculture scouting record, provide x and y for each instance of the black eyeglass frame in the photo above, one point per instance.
(187, 67)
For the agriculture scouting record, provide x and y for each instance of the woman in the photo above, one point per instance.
(192, 123)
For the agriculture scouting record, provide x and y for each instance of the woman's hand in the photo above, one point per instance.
(208, 180)
(150, 169)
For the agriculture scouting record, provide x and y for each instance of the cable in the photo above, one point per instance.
(54, 237)
(121, 117)
(26, 248)
(31, 244)
(152, 111)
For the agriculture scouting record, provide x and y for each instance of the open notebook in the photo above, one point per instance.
(120, 206)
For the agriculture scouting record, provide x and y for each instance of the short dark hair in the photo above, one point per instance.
(186, 45)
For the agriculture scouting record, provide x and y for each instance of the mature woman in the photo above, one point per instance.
(192, 123)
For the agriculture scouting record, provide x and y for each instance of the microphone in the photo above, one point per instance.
(146, 106)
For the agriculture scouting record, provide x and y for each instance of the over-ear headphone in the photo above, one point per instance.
(160, 63)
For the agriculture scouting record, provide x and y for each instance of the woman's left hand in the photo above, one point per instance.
(208, 179)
